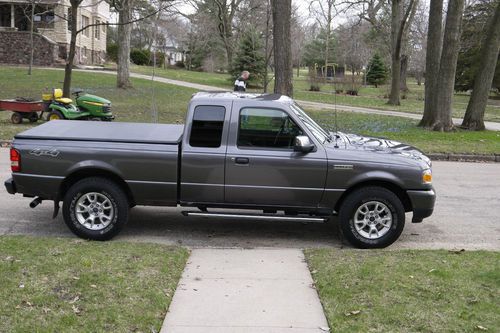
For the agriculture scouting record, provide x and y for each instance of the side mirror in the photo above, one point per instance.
(303, 144)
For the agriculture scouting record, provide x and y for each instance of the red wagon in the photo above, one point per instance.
(22, 108)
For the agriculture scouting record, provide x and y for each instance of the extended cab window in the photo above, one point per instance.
(267, 128)
(207, 125)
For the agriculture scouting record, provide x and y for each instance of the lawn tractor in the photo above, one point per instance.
(88, 107)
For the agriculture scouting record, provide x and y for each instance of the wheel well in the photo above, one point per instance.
(92, 172)
(402, 195)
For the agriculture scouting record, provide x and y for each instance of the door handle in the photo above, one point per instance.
(241, 160)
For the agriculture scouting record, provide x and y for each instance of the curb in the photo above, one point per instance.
(432, 156)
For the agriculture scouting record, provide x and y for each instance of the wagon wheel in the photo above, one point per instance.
(55, 115)
(16, 118)
(33, 117)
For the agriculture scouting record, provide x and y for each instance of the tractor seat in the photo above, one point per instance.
(58, 97)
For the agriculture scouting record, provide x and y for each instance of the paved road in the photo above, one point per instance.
(493, 126)
(466, 216)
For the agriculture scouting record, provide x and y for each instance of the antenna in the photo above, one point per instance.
(335, 104)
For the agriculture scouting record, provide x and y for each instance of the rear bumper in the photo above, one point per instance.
(10, 186)
(422, 203)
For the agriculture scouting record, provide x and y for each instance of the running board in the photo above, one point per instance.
(257, 217)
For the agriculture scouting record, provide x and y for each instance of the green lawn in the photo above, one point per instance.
(369, 96)
(408, 291)
(406, 130)
(135, 105)
(69, 285)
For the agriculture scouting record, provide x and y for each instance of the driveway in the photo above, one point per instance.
(466, 216)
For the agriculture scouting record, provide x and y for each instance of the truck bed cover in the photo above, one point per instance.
(73, 130)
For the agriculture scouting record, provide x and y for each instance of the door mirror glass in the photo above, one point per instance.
(303, 144)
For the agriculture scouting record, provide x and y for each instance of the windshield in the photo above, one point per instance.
(320, 134)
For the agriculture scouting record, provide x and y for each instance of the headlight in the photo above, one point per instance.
(427, 176)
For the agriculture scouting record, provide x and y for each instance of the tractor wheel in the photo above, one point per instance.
(54, 115)
(33, 117)
(16, 118)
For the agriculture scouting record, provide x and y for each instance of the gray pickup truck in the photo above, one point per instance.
(235, 152)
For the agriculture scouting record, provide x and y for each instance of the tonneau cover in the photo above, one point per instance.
(77, 130)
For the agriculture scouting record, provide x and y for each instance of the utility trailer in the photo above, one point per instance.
(23, 108)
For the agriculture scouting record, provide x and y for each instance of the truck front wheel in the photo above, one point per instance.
(372, 217)
(95, 208)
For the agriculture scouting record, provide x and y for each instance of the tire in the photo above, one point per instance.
(55, 115)
(379, 214)
(105, 199)
(33, 117)
(16, 118)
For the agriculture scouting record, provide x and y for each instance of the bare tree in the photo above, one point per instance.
(474, 116)
(323, 10)
(399, 21)
(439, 116)
(282, 11)
(432, 58)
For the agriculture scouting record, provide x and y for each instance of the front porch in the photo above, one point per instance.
(17, 16)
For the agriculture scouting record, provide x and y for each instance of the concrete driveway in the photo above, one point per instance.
(467, 216)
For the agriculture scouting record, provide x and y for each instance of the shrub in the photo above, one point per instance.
(112, 52)
(140, 57)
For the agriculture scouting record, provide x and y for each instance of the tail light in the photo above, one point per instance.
(15, 160)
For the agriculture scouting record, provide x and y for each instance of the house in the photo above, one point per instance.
(53, 35)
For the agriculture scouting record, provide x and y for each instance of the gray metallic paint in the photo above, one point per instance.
(209, 176)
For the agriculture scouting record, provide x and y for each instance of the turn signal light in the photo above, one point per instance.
(15, 160)
(427, 176)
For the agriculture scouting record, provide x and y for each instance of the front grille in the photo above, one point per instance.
(106, 108)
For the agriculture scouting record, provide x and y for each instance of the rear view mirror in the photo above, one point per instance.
(303, 144)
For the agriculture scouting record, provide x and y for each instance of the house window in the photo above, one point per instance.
(85, 22)
(97, 29)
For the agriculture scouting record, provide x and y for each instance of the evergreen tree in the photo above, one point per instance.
(250, 57)
(315, 51)
(377, 72)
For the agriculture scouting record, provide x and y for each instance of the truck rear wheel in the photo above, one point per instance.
(372, 217)
(95, 208)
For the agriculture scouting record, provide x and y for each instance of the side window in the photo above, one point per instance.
(267, 128)
(207, 125)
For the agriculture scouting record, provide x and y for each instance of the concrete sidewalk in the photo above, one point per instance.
(239, 290)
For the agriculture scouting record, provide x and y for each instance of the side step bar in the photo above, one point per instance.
(257, 217)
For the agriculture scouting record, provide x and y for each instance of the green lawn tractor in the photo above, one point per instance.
(88, 107)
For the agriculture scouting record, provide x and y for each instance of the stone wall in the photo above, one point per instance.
(15, 49)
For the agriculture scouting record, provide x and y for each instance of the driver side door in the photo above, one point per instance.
(262, 167)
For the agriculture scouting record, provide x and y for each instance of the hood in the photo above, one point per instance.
(380, 146)
(93, 99)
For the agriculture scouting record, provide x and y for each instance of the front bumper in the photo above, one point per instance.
(10, 186)
(422, 203)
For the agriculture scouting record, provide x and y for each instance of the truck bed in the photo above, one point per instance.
(105, 131)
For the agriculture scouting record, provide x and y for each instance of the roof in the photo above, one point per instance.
(229, 95)
(38, 2)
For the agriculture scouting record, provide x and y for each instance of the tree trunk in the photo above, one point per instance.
(403, 73)
(32, 46)
(68, 69)
(124, 16)
(432, 57)
(282, 11)
(396, 9)
(474, 116)
(448, 66)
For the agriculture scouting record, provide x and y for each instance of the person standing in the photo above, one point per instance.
(240, 83)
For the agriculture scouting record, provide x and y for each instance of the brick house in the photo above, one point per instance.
(52, 35)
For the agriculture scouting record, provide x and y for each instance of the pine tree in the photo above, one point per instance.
(377, 72)
(250, 57)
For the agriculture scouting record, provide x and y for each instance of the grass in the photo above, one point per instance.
(135, 105)
(408, 291)
(67, 285)
(406, 130)
(132, 105)
(369, 96)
